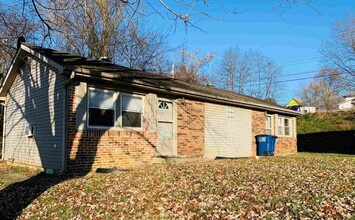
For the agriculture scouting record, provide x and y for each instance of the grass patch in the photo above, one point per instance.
(304, 185)
(326, 121)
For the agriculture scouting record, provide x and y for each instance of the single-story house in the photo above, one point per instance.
(71, 113)
(298, 105)
(348, 102)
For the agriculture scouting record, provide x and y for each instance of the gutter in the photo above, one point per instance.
(184, 92)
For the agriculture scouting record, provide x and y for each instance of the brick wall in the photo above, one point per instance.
(190, 128)
(258, 127)
(91, 149)
(284, 145)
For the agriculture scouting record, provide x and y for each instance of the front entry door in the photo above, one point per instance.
(166, 129)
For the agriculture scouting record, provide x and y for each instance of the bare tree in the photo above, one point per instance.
(228, 68)
(190, 67)
(187, 12)
(250, 73)
(234, 68)
(323, 92)
(13, 24)
(97, 28)
(142, 48)
(90, 27)
(339, 51)
(105, 28)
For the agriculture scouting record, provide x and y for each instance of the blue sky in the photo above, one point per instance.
(292, 40)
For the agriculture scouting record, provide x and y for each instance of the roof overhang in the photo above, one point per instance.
(139, 84)
(17, 63)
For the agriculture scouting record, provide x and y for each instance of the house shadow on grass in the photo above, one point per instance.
(17, 196)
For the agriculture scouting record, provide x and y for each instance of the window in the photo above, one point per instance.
(284, 126)
(131, 111)
(164, 105)
(287, 126)
(101, 108)
(268, 125)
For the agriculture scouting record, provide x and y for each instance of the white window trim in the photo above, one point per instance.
(114, 108)
(271, 124)
(121, 109)
(283, 126)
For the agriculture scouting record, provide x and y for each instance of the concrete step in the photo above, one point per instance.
(178, 160)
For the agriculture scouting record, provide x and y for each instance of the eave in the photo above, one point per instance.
(16, 65)
(134, 83)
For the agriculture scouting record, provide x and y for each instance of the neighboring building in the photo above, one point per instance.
(70, 113)
(348, 103)
(298, 105)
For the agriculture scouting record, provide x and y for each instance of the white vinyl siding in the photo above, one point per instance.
(227, 131)
(35, 98)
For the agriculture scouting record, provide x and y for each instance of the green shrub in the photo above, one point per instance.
(326, 121)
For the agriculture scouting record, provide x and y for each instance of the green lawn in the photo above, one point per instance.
(299, 186)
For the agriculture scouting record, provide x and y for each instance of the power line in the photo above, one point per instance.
(304, 62)
(286, 75)
(290, 80)
(300, 73)
(298, 60)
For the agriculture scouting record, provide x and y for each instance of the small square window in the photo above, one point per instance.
(101, 108)
(131, 110)
(284, 126)
(131, 119)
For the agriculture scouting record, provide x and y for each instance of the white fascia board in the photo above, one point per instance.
(45, 59)
(9, 74)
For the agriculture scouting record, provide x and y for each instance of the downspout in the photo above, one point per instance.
(64, 135)
(3, 132)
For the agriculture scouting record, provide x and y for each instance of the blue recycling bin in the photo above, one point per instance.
(265, 144)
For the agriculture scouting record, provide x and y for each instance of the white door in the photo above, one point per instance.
(166, 146)
(227, 131)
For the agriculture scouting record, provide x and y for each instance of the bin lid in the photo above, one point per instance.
(262, 135)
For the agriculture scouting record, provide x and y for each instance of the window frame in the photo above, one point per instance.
(283, 127)
(271, 124)
(121, 110)
(114, 97)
